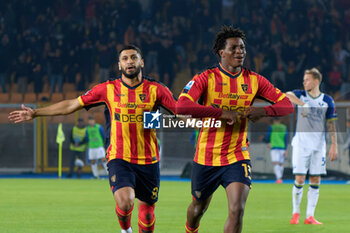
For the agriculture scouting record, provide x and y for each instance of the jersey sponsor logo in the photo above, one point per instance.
(131, 105)
(128, 118)
(142, 97)
(229, 96)
(229, 108)
(151, 120)
(244, 87)
(222, 84)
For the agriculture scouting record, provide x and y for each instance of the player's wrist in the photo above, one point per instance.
(35, 113)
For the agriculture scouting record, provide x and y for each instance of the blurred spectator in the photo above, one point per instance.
(335, 79)
(56, 77)
(172, 34)
(5, 61)
(105, 60)
(23, 70)
(340, 56)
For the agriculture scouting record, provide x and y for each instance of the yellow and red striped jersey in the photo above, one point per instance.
(128, 139)
(219, 88)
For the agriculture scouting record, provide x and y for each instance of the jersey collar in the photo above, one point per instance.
(132, 87)
(228, 73)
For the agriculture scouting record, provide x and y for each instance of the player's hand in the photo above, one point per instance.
(285, 154)
(268, 146)
(333, 152)
(254, 114)
(26, 114)
(231, 117)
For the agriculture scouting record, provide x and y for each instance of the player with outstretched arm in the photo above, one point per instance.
(132, 152)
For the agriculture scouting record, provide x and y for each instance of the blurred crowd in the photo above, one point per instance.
(76, 41)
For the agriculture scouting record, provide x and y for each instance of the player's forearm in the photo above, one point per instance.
(185, 106)
(281, 108)
(332, 131)
(61, 108)
(294, 99)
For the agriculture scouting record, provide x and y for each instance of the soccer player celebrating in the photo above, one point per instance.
(133, 151)
(222, 157)
(309, 142)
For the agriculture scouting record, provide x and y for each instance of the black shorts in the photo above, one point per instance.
(206, 179)
(144, 179)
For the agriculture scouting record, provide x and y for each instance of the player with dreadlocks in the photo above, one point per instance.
(222, 156)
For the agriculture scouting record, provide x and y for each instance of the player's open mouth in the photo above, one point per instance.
(130, 68)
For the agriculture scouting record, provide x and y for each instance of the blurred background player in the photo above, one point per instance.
(277, 137)
(77, 148)
(309, 142)
(133, 156)
(96, 152)
(222, 155)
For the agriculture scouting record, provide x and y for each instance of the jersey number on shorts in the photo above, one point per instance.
(247, 170)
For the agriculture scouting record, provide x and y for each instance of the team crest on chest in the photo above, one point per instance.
(142, 97)
(244, 87)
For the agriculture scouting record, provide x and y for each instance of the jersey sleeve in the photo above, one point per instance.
(281, 104)
(166, 98)
(187, 103)
(195, 88)
(331, 113)
(94, 96)
(298, 93)
(268, 92)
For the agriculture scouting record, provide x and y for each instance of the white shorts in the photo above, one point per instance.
(277, 155)
(305, 160)
(96, 153)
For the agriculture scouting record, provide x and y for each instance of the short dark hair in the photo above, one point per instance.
(130, 46)
(225, 33)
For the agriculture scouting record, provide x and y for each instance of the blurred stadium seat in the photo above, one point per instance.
(71, 95)
(16, 97)
(56, 97)
(68, 87)
(29, 97)
(4, 97)
(44, 96)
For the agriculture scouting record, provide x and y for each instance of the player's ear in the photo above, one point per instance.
(221, 51)
(119, 66)
(142, 63)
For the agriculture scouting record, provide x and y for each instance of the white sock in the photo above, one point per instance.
(104, 164)
(312, 198)
(276, 170)
(94, 169)
(129, 230)
(297, 195)
(281, 171)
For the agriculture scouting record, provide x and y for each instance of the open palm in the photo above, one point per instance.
(26, 114)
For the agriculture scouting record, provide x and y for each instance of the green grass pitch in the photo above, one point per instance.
(87, 206)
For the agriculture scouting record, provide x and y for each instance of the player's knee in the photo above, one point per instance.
(300, 180)
(199, 208)
(125, 202)
(146, 218)
(315, 179)
(236, 210)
